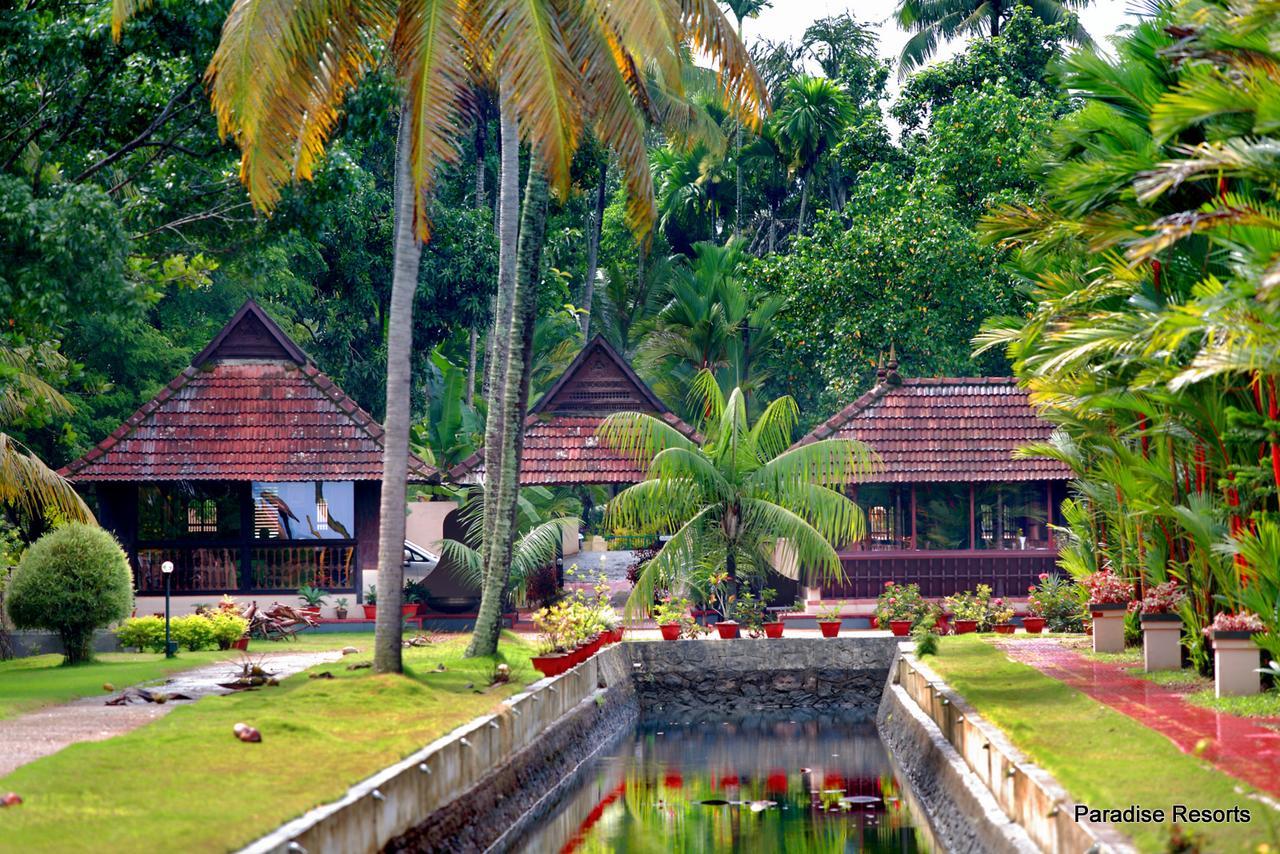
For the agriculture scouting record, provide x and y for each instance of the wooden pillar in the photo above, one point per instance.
(1048, 511)
(247, 534)
(914, 546)
(973, 542)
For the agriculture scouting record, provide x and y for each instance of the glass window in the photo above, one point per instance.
(942, 515)
(188, 510)
(1011, 516)
(306, 510)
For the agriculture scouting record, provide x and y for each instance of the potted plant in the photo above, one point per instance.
(901, 606)
(1055, 604)
(726, 603)
(829, 620)
(671, 614)
(1022, 539)
(551, 659)
(752, 611)
(967, 611)
(1235, 655)
(340, 608)
(370, 604)
(1002, 616)
(413, 599)
(1161, 627)
(1109, 597)
(314, 597)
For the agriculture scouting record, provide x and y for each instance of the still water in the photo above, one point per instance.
(793, 785)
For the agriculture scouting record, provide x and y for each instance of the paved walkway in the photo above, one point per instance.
(1247, 748)
(37, 734)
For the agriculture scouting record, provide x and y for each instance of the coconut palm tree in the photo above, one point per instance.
(278, 80)
(813, 114)
(741, 501)
(935, 22)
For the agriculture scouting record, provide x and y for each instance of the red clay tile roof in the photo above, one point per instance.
(560, 441)
(246, 410)
(946, 429)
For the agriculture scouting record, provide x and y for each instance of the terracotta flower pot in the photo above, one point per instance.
(728, 630)
(773, 630)
(340, 613)
(1033, 625)
(900, 628)
(241, 643)
(313, 610)
(875, 622)
(942, 625)
(409, 609)
(964, 627)
(1005, 628)
(551, 665)
(830, 628)
(370, 612)
(670, 631)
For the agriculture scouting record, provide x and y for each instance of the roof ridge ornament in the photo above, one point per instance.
(891, 376)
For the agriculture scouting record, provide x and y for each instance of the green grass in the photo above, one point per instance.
(27, 684)
(1103, 758)
(186, 783)
(1266, 705)
(1173, 678)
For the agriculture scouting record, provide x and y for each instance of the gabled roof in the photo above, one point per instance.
(251, 406)
(949, 429)
(561, 445)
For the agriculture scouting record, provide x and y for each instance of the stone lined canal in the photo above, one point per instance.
(783, 782)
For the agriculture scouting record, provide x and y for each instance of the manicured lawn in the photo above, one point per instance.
(186, 783)
(1265, 705)
(1102, 757)
(27, 684)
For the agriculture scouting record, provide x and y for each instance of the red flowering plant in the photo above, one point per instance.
(1245, 621)
(1164, 598)
(900, 602)
(1107, 588)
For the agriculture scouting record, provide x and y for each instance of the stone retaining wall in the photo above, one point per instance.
(735, 678)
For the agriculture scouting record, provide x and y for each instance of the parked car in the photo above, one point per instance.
(418, 562)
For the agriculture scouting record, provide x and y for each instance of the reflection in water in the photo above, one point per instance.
(794, 785)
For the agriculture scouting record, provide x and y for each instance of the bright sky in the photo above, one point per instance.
(787, 19)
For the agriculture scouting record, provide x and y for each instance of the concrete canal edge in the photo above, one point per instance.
(483, 784)
(961, 767)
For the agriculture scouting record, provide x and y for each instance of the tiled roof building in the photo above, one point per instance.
(561, 445)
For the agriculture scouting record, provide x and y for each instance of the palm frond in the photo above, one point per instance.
(668, 566)
(816, 561)
(639, 436)
(27, 483)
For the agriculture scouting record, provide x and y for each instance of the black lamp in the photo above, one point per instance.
(169, 646)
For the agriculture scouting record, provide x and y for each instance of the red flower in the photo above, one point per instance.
(1044, 576)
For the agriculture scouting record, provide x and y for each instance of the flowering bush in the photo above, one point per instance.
(1001, 612)
(900, 602)
(1107, 588)
(671, 610)
(1060, 602)
(1242, 622)
(1163, 598)
(752, 611)
(972, 605)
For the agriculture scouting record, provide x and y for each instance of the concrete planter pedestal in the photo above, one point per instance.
(1161, 642)
(1108, 626)
(1235, 664)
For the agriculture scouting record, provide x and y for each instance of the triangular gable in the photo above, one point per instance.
(251, 334)
(599, 381)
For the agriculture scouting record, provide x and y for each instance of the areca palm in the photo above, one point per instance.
(935, 22)
(813, 114)
(742, 500)
(742, 9)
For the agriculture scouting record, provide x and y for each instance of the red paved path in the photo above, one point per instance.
(1246, 748)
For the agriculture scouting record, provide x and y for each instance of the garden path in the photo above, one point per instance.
(38, 734)
(1246, 748)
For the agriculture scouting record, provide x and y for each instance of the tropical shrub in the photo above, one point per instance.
(1106, 588)
(753, 611)
(1000, 612)
(194, 632)
(671, 610)
(926, 639)
(1061, 602)
(142, 633)
(227, 628)
(1242, 622)
(901, 602)
(742, 502)
(71, 581)
(972, 605)
(1164, 598)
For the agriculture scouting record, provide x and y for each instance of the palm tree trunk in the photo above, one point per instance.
(804, 205)
(503, 302)
(471, 369)
(395, 459)
(505, 478)
(593, 247)
(737, 163)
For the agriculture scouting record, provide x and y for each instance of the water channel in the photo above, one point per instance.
(772, 784)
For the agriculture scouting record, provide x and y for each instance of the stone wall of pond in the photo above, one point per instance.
(739, 678)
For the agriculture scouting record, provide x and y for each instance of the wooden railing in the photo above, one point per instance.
(273, 567)
(942, 573)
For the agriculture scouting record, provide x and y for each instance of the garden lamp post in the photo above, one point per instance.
(167, 569)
